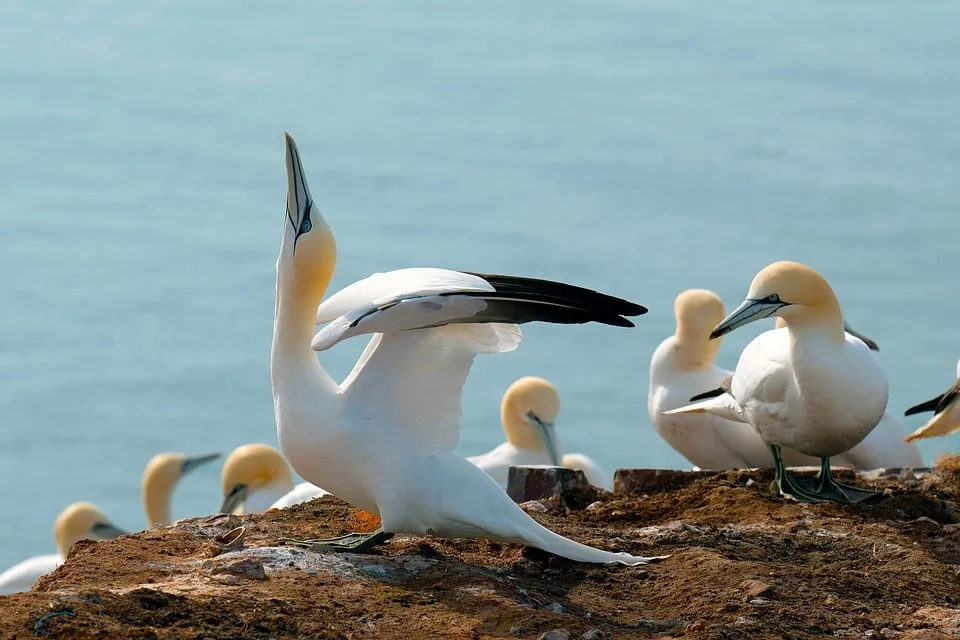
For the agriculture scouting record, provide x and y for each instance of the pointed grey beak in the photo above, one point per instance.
(545, 430)
(191, 463)
(106, 530)
(748, 311)
(856, 334)
(233, 500)
(299, 200)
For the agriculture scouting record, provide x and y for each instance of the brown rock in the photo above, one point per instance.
(755, 588)
(539, 482)
(628, 481)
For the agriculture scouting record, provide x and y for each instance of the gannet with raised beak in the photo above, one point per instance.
(383, 440)
(79, 521)
(160, 478)
(946, 413)
(528, 412)
(256, 477)
(809, 386)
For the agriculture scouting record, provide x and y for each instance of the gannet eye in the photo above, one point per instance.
(773, 297)
(306, 225)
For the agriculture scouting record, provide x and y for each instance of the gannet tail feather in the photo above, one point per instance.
(923, 407)
(723, 406)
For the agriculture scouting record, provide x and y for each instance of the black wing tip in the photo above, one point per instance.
(923, 407)
(706, 395)
(603, 301)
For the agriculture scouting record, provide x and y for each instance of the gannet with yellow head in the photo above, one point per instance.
(681, 367)
(79, 521)
(946, 413)
(256, 477)
(383, 440)
(160, 478)
(528, 413)
(809, 386)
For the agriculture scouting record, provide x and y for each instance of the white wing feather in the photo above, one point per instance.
(412, 378)
(382, 286)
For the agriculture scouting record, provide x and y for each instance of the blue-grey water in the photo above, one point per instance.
(638, 147)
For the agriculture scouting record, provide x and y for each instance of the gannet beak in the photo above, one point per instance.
(750, 310)
(856, 334)
(191, 463)
(106, 530)
(234, 499)
(545, 430)
(299, 200)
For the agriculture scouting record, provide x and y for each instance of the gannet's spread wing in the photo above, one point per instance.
(433, 323)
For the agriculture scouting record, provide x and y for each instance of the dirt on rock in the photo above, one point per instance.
(743, 564)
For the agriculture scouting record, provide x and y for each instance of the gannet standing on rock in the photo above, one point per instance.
(79, 521)
(809, 386)
(528, 412)
(256, 477)
(160, 478)
(946, 413)
(383, 440)
(683, 366)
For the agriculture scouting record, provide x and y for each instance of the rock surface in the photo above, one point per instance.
(744, 564)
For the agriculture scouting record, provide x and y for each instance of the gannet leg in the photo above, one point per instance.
(828, 488)
(352, 542)
(790, 487)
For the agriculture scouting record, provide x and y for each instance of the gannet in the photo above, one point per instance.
(383, 440)
(79, 521)
(256, 477)
(809, 386)
(946, 413)
(160, 478)
(884, 447)
(528, 413)
(681, 367)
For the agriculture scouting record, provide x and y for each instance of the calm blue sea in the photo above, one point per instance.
(638, 147)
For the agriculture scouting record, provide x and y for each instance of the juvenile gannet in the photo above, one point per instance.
(160, 478)
(528, 413)
(256, 477)
(383, 440)
(885, 446)
(809, 386)
(79, 521)
(946, 413)
(683, 366)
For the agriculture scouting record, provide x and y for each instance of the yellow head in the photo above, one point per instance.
(82, 521)
(697, 311)
(308, 251)
(160, 477)
(250, 468)
(791, 290)
(528, 412)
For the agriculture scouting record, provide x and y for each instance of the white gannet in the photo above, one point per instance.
(809, 386)
(681, 368)
(160, 478)
(256, 477)
(79, 521)
(383, 440)
(884, 447)
(946, 413)
(528, 412)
